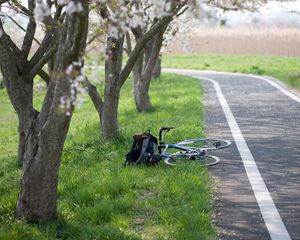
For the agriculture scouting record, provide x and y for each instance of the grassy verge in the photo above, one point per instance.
(100, 199)
(286, 69)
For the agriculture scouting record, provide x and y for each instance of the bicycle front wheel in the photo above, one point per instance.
(205, 143)
(180, 159)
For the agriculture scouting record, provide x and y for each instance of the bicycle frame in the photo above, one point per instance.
(164, 154)
(165, 147)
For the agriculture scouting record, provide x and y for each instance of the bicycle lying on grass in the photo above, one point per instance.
(197, 150)
(145, 146)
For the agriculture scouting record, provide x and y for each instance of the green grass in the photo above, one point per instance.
(286, 69)
(98, 198)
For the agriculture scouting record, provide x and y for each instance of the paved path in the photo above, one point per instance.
(258, 180)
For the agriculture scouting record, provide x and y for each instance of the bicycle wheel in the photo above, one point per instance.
(180, 159)
(205, 143)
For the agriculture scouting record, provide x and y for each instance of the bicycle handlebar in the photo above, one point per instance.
(167, 129)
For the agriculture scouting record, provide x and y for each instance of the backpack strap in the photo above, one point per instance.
(144, 147)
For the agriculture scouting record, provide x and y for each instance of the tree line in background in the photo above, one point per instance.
(138, 27)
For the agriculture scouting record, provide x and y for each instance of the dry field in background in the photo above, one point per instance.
(240, 41)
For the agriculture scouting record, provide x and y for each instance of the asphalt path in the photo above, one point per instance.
(258, 179)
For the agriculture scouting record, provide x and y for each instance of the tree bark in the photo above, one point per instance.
(157, 69)
(109, 119)
(38, 196)
(143, 71)
(141, 93)
(20, 91)
(113, 67)
(94, 95)
(18, 79)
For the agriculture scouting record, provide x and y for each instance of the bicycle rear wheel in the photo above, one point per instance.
(205, 143)
(180, 159)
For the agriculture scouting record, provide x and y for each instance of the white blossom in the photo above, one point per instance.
(63, 2)
(69, 69)
(41, 10)
(76, 76)
(113, 32)
(159, 10)
(73, 7)
(122, 19)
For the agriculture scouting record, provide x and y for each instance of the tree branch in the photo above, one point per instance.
(154, 52)
(45, 76)
(29, 37)
(43, 60)
(58, 12)
(137, 32)
(48, 42)
(19, 6)
(30, 31)
(128, 43)
(19, 26)
(182, 11)
(92, 39)
(94, 95)
(103, 10)
(3, 1)
(10, 42)
(140, 45)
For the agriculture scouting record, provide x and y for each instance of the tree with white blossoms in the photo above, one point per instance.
(147, 66)
(121, 17)
(42, 134)
(148, 20)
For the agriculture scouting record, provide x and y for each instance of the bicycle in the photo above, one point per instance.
(196, 150)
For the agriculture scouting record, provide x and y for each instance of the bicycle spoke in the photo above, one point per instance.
(205, 160)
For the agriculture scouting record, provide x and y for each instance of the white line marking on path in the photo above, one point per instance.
(280, 88)
(267, 207)
(192, 72)
(274, 84)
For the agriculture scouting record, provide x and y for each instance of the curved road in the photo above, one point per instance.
(258, 179)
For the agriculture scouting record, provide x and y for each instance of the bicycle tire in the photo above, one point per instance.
(180, 159)
(205, 143)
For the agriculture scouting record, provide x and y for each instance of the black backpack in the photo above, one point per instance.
(143, 150)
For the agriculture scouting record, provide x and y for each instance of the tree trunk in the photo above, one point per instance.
(113, 67)
(94, 95)
(38, 196)
(157, 69)
(20, 91)
(143, 72)
(141, 93)
(109, 117)
(25, 121)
